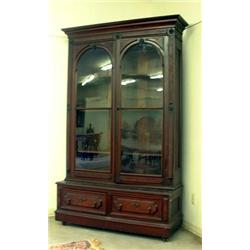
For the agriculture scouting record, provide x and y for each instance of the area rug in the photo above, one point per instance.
(80, 245)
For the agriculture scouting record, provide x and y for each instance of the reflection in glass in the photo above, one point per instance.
(94, 79)
(93, 140)
(142, 77)
(141, 139)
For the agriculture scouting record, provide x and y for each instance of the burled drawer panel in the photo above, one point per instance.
(86, 201)
(136, 207)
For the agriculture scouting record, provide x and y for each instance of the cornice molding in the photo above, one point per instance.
(175, 21)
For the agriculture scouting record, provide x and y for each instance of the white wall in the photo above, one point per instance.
(58, 55)
(65, 13)
(192, 150)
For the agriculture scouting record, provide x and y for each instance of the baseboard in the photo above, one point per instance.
(51, 212)
(193, 229)
(189, 227)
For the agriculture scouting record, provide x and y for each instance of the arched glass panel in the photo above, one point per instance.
(142, 77)
(93, 138)
(94, 79)
(141, 110)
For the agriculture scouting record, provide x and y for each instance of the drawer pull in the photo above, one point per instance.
(98, 204)
(118, 206)
(135, 204)
(153, 209)
(68, 201)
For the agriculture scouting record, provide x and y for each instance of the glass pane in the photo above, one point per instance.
(94, 79)
(141, 142)
(93, 140)
(142, 77)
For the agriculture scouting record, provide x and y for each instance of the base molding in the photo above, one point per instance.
(118, 224)
(193, 229)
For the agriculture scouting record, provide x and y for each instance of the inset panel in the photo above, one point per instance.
(142, 77)
(141, 141)
(93, 140)
(94, 79)
(84, 201)
(135, 207)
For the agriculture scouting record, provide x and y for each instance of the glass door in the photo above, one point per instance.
(141, 111)
(93, 111)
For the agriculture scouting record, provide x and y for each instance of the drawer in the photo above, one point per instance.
(136, 207)
(86, 201)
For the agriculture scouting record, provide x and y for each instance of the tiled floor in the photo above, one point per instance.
(181, 240)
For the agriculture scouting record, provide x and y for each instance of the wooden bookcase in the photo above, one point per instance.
(123, 127)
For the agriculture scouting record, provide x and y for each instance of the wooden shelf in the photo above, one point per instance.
(93, 152)
(142, 153)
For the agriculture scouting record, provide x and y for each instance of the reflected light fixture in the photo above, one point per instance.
(159, 89)
(127, 81)
(87, 79)
(158, 76)
(106, 67)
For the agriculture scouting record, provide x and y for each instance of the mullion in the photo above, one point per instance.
(92, 109)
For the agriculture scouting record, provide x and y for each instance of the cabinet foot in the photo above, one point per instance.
(165, 239)
(64, 223)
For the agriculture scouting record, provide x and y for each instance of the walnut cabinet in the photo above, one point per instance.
(123, 127)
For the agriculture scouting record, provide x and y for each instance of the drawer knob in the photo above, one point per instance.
(135, 204)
